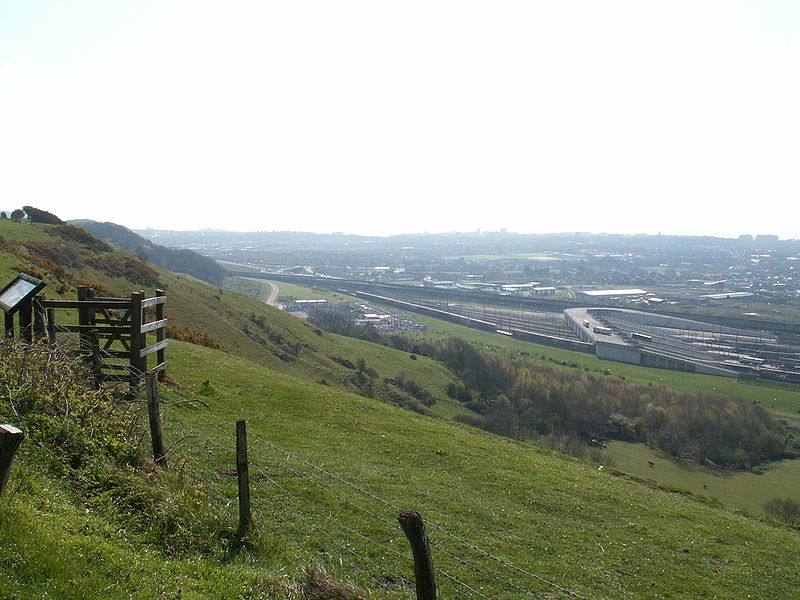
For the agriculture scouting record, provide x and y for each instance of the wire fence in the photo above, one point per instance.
(328, 518)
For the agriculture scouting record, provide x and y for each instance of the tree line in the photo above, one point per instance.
(524, 399)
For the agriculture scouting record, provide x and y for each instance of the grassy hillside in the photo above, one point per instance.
(65, 256)
(330, 469)
(738, 489)
(594, 532)
(748, 490)
(177, 260)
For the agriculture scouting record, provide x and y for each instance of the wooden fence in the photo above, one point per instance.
(112, 332)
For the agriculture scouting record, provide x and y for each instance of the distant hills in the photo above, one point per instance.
(173, 259)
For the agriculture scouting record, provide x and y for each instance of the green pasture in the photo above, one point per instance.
(298, 292)
(561, 519)
(253, 288)
(747, 490)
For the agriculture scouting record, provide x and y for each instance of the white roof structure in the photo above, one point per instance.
(610, 293)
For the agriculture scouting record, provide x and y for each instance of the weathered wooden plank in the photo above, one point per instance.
(113, 367)
(116, 329)
(159, 368)
(154, 301)
(137, 340)
(95, 304)
(118, 353)
(148, 327)
(153, 348)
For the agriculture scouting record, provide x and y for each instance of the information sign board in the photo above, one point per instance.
(22, 288)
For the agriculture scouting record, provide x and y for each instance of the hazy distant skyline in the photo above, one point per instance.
(380, 118)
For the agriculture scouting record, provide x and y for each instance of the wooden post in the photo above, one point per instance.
(136, 334)
(38, 317)
(161, 335)
(83, 321)
(89, 340)
(10, 439)
(414, 528)
(25, 321)
(9, 321)
(243, 476)
(51, 324)
(154, 412)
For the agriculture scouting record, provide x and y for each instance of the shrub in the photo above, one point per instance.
(785, 509)
(91, 439)
(36, 215)
(193, 336)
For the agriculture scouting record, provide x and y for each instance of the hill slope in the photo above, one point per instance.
(597, 533)
(173, 259)
(65, 256)
(330, 468)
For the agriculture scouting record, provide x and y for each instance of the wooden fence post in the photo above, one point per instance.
(9, 323)
(83, 321)
(136, 333)
(243, 476)
(10, 439)
(51, 324)
(39, 326)
(89, 339)
(154, 412)
(25, 313)
(414, 528)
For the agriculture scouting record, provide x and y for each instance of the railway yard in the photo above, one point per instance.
(632, 336)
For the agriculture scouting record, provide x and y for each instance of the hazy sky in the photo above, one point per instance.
(388, 117)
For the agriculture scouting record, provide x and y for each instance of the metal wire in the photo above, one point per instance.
(211, 418)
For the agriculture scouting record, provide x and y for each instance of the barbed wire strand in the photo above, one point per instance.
(432, 524)
(371, 541)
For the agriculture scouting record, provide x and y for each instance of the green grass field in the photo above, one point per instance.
(560, 518)
(53, 547)
(290, 290)
(743, 490)
(747, 490)
(256, 289)
(330, 468)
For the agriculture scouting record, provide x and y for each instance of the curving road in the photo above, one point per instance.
(273, 293)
